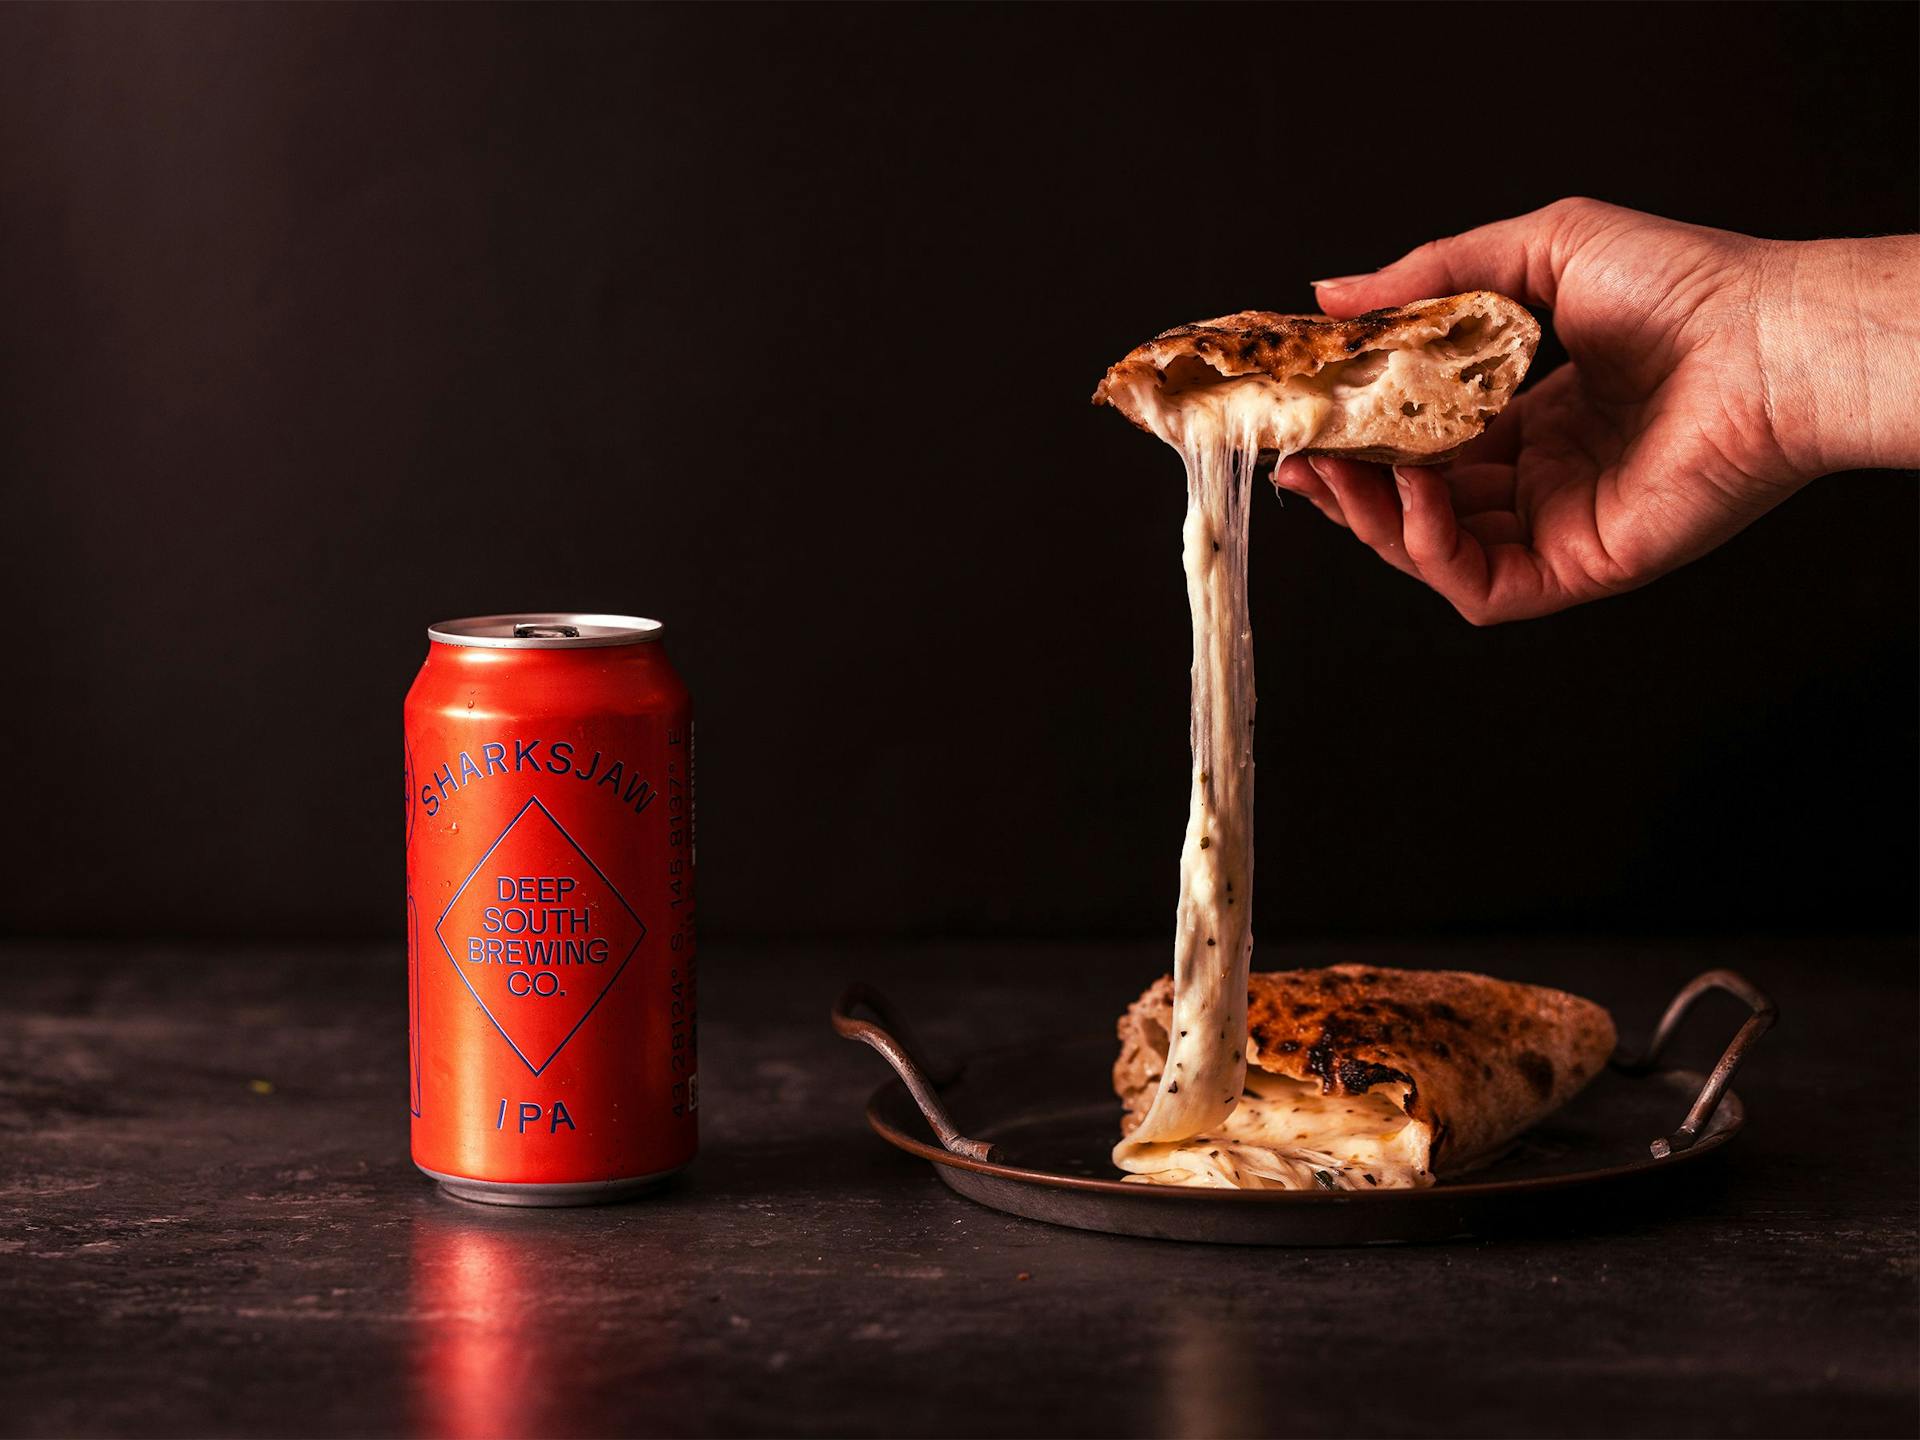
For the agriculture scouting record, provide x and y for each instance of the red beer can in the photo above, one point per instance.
(550, 911)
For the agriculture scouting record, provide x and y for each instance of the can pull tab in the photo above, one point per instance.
(545, 632)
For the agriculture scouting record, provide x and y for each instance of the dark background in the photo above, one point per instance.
(318, 324)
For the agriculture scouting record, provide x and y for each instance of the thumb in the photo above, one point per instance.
(1523, 258)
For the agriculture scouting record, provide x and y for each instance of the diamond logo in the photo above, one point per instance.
(538, 934)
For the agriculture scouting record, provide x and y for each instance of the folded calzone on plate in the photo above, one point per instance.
(1361, 1077)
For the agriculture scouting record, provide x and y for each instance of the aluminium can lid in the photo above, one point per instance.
(546, 630)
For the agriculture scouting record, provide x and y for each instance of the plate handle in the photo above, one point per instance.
(1765, 1012)
(895, 1042)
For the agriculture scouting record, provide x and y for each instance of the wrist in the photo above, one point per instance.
(1838, 326)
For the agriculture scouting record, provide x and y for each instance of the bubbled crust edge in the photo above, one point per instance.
(1256, 342)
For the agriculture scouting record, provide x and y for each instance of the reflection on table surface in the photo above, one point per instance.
(1210, 1377)
(501, 1345)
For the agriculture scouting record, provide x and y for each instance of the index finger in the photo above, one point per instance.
(1522, 257)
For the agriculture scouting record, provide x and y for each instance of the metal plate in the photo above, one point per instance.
(1052, 1125)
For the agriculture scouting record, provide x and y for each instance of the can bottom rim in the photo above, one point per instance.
(546, 1196)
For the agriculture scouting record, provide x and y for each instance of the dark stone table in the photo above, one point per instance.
(210, 1227)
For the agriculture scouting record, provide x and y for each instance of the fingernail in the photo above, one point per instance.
(1313, 464)
(1341, 279)
(1406, 487)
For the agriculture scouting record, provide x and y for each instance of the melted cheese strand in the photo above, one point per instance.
(1213, 935)
(1194, 1133)
(1287, 1134)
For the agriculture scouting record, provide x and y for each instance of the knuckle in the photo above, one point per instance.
(1473, 610)
(1392, 553)
(1566, 226)
(1578, 218)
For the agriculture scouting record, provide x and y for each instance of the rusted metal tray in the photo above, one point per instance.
(1028, 1131)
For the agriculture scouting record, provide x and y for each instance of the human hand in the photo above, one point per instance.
(1712, 375)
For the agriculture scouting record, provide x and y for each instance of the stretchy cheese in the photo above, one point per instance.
(1285, 1134)
(1190, 1134)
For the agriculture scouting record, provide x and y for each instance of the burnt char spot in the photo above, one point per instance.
(1287, 1047)
(1441, 1049)
(1440, 1010)
(1359, 1076)
(1354, 1077)
(1537, 1070)
(1320, 1064)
